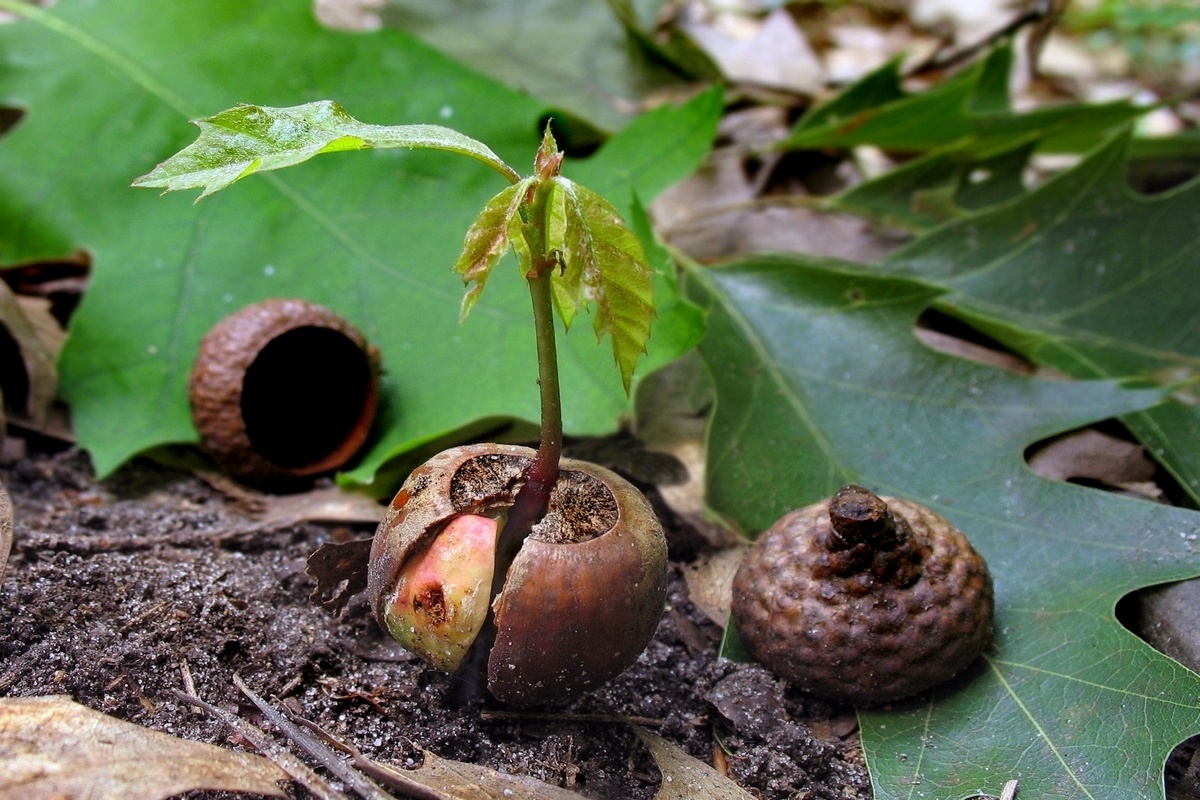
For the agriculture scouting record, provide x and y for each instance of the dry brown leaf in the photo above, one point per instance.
(770, 52)
(455, 780)
(1092, 455)
(38, 361)
(333, 504)
(6, 530)
(686, 778)
(710, 582)
(953, 345)
(275, 511)
(43, 322)
(52, 748)
(716, 215)
(672, 418)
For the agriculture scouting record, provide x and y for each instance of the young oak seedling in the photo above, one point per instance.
(537, 576)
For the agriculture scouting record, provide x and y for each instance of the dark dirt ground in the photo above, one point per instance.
(114, 587)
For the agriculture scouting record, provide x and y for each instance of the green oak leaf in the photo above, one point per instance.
(969, 111)
(1092, 279)
(371, 235)
(821, 381)
(973, 148)
(940, 186)
(595, 61)
(247, 139)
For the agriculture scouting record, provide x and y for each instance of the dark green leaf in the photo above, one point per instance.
(941, 186)
(969, 110)
(820, 381)
(583, 61)
(1091, 279)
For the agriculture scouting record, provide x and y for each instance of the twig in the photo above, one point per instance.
(19, 665)
(87, 545)
(381, 772)
(941, 60)
(495, 715)
(360, 785)
(285, 760)
(145, 615)
(189, 683)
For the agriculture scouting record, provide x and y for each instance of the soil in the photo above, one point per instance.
(116, 589)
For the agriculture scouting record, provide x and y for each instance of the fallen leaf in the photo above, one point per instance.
(953, 345)
(820, 382)
(1090, 454)
(684, 777)
(349, 15)
(332, 504)
(455, 780)
(54, 748)
(6, 529)
(340, 570)
(771, 53)
(39, 380)
(39, 312)
(710, 582)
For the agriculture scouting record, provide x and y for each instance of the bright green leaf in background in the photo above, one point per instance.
(821, 381)
(373, 236)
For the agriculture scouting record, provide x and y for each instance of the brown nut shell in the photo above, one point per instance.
(281, 390)
(573, 613)
(863, 636)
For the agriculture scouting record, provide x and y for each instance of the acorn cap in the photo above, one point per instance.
(282, 390)
(887, 603)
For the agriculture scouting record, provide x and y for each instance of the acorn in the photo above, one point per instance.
(864, 599)
(283, 390)
(580, 602)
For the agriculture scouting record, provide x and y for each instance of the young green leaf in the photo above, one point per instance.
(247, 139)
(605, 264)
(488, 239)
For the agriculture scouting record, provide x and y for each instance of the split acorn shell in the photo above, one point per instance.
(884, 603)
(584, 594)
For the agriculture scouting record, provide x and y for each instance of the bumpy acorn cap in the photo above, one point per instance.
(282, 390)
(863, 599)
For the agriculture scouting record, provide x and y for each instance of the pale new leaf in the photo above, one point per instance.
(248, 138)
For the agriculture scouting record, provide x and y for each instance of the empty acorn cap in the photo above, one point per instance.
(282, 390)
